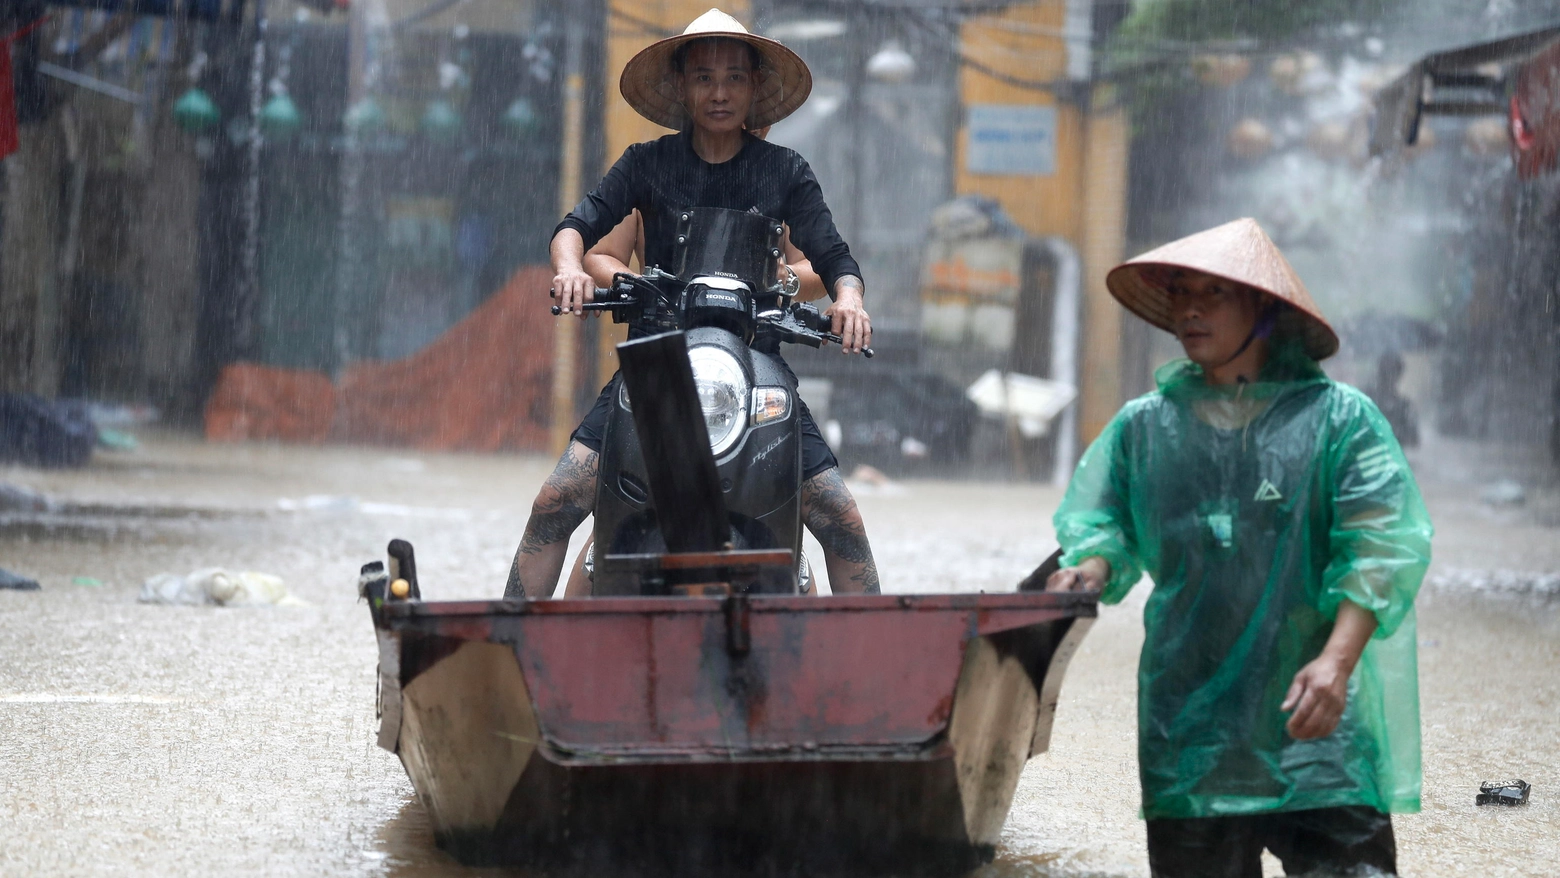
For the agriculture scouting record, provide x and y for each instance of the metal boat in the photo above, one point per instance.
(725, 734)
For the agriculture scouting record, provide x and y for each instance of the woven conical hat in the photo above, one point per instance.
(781, 83)
(1239, 251)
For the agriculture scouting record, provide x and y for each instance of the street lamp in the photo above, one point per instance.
(891, 63)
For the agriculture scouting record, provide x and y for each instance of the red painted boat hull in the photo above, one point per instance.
(767, 735)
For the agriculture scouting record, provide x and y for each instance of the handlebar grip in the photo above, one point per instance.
(552, 292)
(587, 306)
(834, 339)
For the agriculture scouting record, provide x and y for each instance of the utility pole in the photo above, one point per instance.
(349, 253)
(247, 297)
(856, 108)
(567, 331)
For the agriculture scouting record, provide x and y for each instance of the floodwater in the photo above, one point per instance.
(197, 741)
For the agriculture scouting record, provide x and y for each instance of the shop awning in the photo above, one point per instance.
(1518, 76)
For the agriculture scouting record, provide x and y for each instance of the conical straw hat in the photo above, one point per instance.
(781, 83)
(1239, 251)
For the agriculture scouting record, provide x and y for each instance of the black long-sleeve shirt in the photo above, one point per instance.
(661, 177)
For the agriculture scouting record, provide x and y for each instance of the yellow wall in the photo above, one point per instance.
(1101, 246)
(1025, 43)
(1084, 200)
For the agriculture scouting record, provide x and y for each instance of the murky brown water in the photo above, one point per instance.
(180, 740)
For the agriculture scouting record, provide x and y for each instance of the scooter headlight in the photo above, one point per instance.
(723, 395)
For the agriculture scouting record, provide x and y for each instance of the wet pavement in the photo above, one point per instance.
(192, 740)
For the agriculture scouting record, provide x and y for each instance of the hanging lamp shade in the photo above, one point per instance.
(196, 112)
(891, 64)
(280, 118)
(365, 116)
(441, 120)
(521, 117)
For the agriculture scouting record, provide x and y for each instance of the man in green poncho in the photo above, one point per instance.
(1278, 700)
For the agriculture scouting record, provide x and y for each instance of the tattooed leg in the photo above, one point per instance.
(568, 495)
(831, 514)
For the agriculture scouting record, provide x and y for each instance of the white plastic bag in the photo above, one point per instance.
(215, 585)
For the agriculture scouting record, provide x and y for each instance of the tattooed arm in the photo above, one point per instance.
(831, 514)
(568, 495)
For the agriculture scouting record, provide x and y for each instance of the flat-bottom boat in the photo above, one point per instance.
(735, 734)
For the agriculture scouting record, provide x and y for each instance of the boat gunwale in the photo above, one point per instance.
(1075, 604)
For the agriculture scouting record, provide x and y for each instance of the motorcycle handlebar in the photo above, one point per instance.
(865, 352)
(587, 306)
(818, 323)
(608, 305)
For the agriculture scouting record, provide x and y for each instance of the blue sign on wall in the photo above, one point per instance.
(1011, 139)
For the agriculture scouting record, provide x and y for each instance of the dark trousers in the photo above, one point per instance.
(1352, 840)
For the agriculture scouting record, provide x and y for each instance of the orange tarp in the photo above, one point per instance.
(258, 402)
(484, 385)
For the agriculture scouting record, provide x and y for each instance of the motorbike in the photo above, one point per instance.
(722, 308)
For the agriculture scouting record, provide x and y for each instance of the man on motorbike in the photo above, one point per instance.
(624, 246)
(714, 83)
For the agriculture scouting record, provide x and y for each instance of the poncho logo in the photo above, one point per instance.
(1267, 491)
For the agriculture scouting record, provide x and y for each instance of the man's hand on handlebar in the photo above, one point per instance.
(848, 315)
(573, 288)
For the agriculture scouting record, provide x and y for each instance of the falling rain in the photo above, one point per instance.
(275, 309)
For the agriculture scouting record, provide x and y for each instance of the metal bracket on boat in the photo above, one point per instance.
(403, 566)
(698, 574)
(739, 639)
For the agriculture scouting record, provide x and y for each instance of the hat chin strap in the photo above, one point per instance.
(1262, 329)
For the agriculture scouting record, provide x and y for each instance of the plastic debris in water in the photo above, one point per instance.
(14, 498)
(1504, 792)
(19, 583)
(1503, 493)
(116, 440)
(213, 585)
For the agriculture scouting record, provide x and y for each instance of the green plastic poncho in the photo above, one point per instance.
(1256, 510)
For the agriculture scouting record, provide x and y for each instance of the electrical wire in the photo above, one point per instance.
(955, 44)
(943, 26)
(1027, 29)
(423, 14)
(645, 25)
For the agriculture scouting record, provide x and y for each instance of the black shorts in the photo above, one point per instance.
(1351, 840)
(817, 457)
